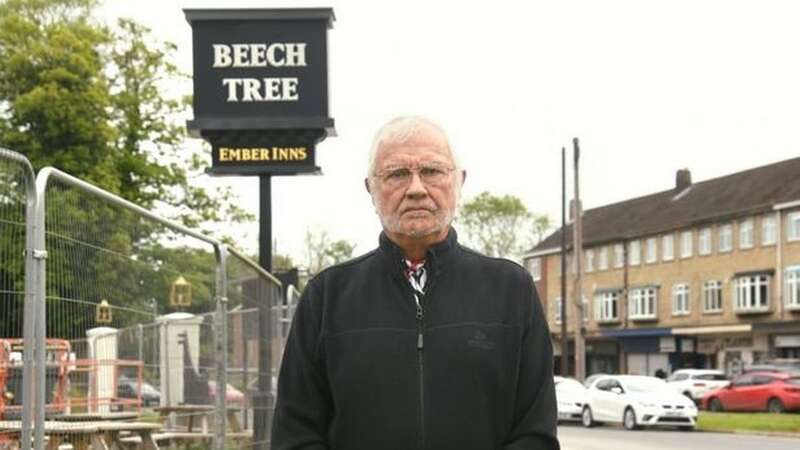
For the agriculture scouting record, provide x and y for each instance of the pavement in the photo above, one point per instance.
(575, 437)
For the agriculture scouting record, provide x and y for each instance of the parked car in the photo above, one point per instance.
(128, 388)
(232, 395)
(757, 391)
(693, 383)
(592, 378)
(775, 365)
(570, 397)
(635, 401)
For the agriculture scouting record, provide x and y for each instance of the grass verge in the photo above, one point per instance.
(727, 421)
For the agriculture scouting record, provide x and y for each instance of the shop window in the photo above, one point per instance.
(590, 260)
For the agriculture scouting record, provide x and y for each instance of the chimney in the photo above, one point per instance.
(683, 179)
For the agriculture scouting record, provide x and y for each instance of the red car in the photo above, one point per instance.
(757, 391)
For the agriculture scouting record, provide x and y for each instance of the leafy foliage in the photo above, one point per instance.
(501, 226)
(322, 252)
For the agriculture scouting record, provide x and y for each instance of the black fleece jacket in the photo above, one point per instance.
(364, 369)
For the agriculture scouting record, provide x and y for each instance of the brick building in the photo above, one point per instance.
(702, 275)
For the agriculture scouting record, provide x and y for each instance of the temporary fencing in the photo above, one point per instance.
(130, 319)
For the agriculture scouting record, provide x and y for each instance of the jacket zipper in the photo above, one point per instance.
(420, 346)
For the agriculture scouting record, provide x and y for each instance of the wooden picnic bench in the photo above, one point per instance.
(99, 435)
(198, 411)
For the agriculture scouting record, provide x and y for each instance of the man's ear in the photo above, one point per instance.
(366, 185)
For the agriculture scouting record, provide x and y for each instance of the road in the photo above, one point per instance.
(575, 437)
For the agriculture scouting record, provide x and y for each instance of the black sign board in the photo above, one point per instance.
(261, 87)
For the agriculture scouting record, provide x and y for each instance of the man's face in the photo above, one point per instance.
(420, 205)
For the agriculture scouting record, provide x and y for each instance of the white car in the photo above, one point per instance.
(693, 383)
(636, 401)
(570, 397)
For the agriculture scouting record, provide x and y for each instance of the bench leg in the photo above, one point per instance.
(148, 443)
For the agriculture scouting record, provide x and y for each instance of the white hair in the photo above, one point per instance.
(402, 129)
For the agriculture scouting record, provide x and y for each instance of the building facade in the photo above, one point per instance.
(704, 275)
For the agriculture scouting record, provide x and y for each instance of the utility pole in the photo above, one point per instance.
(564, 337)
(580, 351)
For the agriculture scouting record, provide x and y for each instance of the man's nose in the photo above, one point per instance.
(417, 187)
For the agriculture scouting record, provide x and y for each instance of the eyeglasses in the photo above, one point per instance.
(429, 174)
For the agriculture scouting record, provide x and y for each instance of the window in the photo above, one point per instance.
(667, 247)
(606, 306)
(704, 241)
(725, 238)
(680, 300)
(793, 226)
(619, 255)
(557, 312)
(751, 293)
(686, 244)
(746, 233)
(768, 231)
(634, 253)
(642, 303)
(590, 260)
(712, 296)
(793, 287)
(535, 268)
(652, 246)
(602, 259)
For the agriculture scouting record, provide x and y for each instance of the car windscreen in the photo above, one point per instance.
(645, 385)
(711, 377)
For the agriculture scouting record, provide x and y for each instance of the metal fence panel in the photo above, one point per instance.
(255, 343)
(130, 316)
(17, 201)
(113, 312)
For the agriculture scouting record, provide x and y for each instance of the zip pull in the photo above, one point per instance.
(420, 316)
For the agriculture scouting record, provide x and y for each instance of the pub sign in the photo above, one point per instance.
(261, 87)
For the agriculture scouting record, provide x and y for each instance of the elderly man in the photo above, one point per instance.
(421, 343)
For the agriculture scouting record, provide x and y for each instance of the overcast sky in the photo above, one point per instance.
(648, 87)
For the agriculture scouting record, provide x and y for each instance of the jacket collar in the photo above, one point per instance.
(438, 258)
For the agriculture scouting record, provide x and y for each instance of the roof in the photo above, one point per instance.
(723, 198)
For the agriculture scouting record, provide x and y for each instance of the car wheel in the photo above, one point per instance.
(586, 417)
(629, 419)
(715, 405)
(775, 405)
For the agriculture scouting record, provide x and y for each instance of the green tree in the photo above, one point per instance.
(95, 103)
(323, 252)
(501, 226)
(54, 102)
